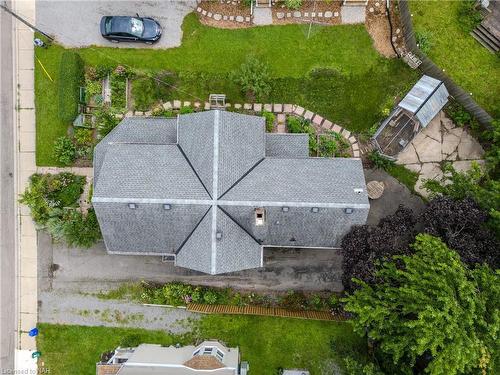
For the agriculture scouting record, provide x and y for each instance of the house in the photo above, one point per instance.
(422, 103)
(212, 189)
(148, 359)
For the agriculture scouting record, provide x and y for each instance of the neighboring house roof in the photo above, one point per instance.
(149, 359)
(196, 189)
(426, 98)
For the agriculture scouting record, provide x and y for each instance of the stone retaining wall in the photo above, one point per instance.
(219, 17)
(278, 108)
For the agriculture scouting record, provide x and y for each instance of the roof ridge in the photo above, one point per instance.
(191, 233)
(242, 177)
(193, 169)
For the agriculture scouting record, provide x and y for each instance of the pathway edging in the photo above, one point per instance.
(277, 108)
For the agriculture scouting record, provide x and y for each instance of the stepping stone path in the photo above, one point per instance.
(439, 142)
(279, 109)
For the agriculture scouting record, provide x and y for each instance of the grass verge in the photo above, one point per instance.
(266, 343)
(335, 72)
(468, 63)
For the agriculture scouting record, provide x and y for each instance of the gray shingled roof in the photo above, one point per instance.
(321, 180)
(220, 169)
(287, 145)
(147, 171)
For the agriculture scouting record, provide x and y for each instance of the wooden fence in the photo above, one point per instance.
(431, 69)
(263, 311)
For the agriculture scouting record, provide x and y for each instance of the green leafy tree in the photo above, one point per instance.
(429, 308)
(254, 78)
(80, 230)
(475, 184)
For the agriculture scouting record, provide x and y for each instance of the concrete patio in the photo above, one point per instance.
(441, 141)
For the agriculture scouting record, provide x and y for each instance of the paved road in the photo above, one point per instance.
(7, 217)
(76, 23)
(76, 309)
(92, 270)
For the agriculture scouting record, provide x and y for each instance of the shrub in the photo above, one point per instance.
(64, 151)
(106, 121)
(210, 297)
(102, 71)
(186, 110)
(294, 124)
(118, 84)
(47, 192)
(92, 89)
(424, 41)
(293, 4)
(269, 121)
(80, 230)
(83, 137)
(380, 161)
(131, 340)
(71, 77)
(458, 113)
(294, 300)
(254, 78)
(468, 15)
(332, 144)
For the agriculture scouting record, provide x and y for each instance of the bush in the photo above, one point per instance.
(83, 137)
(118, 84)
(106, 121)
(64, 151)
(293, 4)
(458, 113)
(380, 161)
(424, 41)
(131, 340)
(333, 144)
(78, 229)
(468, 15)
(254, 78)
(186, 110)
(294, 124)
(210, 297)
(269, 121)
(294, 300)
(71, 77)
(47, 192)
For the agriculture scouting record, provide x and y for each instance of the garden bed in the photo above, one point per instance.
(309, 11)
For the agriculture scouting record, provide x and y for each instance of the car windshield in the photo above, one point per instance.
(136, 27)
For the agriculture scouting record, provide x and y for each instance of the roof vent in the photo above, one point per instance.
(167, 206)
(218, 235)
(284, 209)
(358, 191)
(348, 210)
(132, 206)
(260, 216)
(315, 209)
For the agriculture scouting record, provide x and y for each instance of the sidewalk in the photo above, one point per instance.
(25, 140)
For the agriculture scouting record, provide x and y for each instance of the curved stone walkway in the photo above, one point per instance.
(276, 108)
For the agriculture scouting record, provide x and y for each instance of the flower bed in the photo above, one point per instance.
(181, 294)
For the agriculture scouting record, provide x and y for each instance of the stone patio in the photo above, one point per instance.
(439, 142)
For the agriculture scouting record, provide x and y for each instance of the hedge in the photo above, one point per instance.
(71, 77)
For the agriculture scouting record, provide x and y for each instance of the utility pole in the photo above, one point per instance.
(25, 22)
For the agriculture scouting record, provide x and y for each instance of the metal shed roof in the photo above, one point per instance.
(425, 99)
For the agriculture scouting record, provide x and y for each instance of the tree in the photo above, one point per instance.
(253, 77)
(475, 184)
(364, 245)
(428, 308)
(461, 224)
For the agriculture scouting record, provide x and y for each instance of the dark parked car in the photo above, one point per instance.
(130, 29)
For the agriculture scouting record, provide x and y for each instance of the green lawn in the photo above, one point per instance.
(357, 83)
(469, 64)
(266, 343)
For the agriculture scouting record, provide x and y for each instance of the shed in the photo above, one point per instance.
(425, 99)
(417, 109)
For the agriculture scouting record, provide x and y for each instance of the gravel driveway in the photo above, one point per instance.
(76, 23)
(77, 309)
